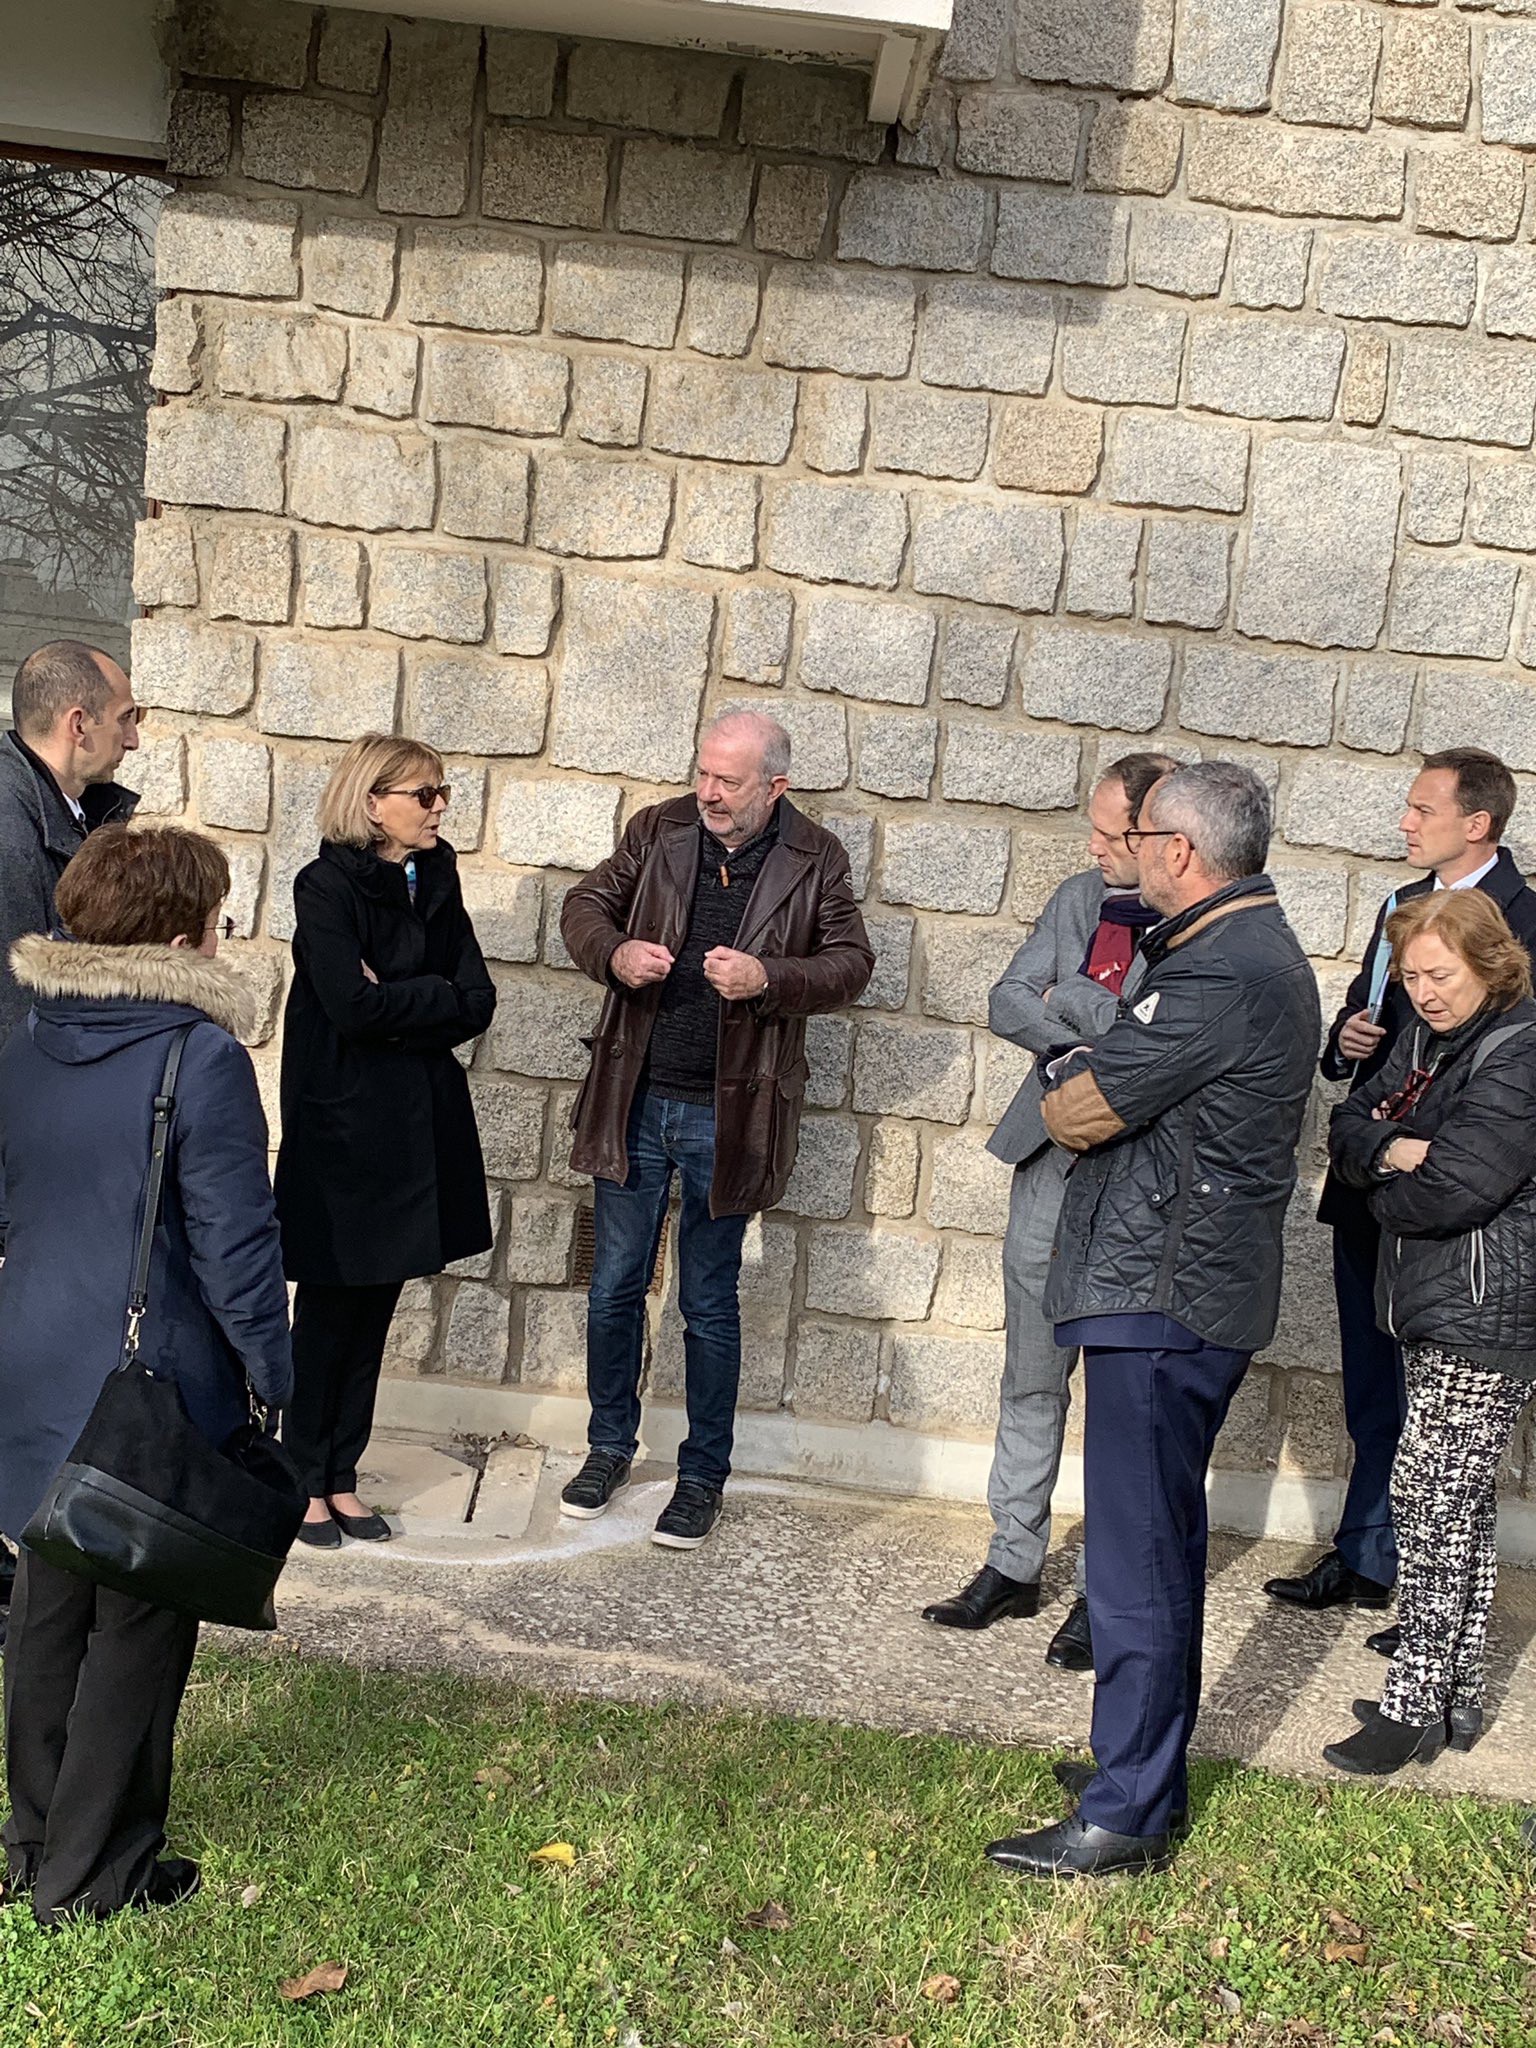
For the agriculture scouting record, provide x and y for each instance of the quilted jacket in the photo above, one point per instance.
(1187, 1115)
(1458, 1244)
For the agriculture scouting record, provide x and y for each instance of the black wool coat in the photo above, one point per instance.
(379, 1174)
(1457, 1266)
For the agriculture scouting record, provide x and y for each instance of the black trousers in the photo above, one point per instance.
(93, 1685)
(338, 1347)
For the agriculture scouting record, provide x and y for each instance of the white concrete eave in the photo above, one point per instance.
(898, 41)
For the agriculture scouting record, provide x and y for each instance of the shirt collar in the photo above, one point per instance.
(1471, 881)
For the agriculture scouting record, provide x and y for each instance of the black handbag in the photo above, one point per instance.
(145, 1504)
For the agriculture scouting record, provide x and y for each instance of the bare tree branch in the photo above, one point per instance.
(76, 334)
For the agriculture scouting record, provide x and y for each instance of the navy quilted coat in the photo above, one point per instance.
(1458, 1236)
(1187, 1115)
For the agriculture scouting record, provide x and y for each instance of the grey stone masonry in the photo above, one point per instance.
(1169, 383)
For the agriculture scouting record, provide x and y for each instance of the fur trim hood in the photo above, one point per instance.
(56, 969)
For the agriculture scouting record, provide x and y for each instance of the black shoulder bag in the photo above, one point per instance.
(145, 1504)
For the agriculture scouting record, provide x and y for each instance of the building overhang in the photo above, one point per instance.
(87, 75)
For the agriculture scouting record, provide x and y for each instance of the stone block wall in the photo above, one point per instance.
(1172, 384)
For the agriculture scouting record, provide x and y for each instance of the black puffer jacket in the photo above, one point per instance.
(1458, 1237)
(1187, 1113)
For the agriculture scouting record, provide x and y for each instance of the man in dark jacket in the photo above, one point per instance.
(1457, 809)
(1066, 977)
(1185, 1117)
(74, 718)
(724, 920)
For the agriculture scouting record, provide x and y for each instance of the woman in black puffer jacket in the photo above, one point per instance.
(1445, 1138)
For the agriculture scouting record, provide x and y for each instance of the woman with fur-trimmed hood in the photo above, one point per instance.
(94, 1679)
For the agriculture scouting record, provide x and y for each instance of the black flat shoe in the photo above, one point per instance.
(173, 1880)
(320, 1535)
(990, 1596)
(1381, 1747)
(1386, 1641)
(363, 1528)
(1075, 1848)
(1071, 1648)
(1330, 1583)
(1075, 1778)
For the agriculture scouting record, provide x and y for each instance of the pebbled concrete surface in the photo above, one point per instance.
(807, 1602)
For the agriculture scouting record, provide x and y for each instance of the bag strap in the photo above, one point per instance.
(1492, 1041)
(165, 1103)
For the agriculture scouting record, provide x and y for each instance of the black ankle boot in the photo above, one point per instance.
(1381, 1747)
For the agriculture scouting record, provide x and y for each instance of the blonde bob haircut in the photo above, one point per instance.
(1473, 926)
(370, 765)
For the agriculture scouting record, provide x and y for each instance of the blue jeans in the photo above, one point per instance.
(665, 1138)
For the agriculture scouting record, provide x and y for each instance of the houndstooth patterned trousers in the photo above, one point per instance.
(1460, 1418)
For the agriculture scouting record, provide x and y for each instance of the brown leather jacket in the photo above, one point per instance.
(801, 921)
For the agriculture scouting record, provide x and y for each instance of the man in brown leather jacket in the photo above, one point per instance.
(723, 921)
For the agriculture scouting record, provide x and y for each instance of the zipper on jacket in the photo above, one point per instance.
(1477, 1269)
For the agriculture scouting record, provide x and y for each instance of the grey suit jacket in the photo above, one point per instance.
(1079, 1010)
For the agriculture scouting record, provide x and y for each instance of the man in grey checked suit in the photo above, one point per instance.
(1061, 989)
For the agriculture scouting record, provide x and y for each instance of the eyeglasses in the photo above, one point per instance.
(224, 926)
(1135, 836)
(426, 795)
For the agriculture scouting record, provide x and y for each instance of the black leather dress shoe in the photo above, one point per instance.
(1074, 1779)
(1330, 1583)
(1071, 1648)
(991, 1596)
(1386, 1641)
(1075, 1848)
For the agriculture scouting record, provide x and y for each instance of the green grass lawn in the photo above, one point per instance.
(386, 1823)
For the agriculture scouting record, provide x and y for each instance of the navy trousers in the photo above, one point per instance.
(1151, 1420)
(1375, 1403)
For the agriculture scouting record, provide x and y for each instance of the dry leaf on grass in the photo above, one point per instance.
(323, 1977)
(1345, 1928)
(1344, 1951)
(493, 1774)
(1218, 1948)
(943, 1990)
(560, 1854)
(1227, 1998)
(250, 1895)
(771, 1915)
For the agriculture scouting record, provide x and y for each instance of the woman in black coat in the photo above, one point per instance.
(379, 1174)
(94, 1678)
(1444, 1137)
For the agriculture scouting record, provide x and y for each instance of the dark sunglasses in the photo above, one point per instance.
(426, 794)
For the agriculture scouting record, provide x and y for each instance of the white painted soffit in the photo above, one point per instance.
(83, 75)
(897, 40)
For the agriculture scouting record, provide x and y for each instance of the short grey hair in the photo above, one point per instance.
(53, 680)
(1223, 810)
(775, 740)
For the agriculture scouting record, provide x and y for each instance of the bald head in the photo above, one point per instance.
(743, 771)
